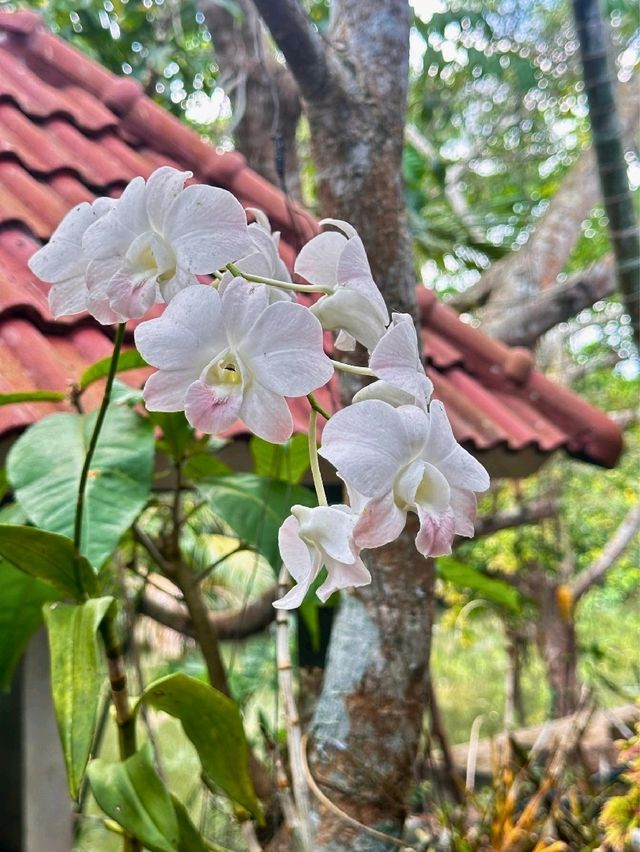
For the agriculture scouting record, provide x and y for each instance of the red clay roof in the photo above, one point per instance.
(71, 130)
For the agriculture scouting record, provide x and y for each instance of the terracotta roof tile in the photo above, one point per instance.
(69, 129)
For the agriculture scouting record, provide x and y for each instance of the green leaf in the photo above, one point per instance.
(496, 591)
(21, 600)
(131, 359)
(177, 434)
(132, 794)
(213, 724)
(31, 396)
(77, 677)
(49, 557)
(255, 508)
(4, 484)
(203, 466)
(190, 838)
(288, 462)
(44, 468)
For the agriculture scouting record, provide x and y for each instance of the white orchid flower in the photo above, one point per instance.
(396, 361)
(262, 259)
(396, 460)
(63, 264)
(158, 237)
(233, 356)
(354, 308)
(311, 538)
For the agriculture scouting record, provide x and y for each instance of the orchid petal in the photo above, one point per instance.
(112, 234)
(396, 359)
(266, 413)
(385, 392)
(242, 304)
(132, 294)
(284, 349)
(381, 521)
(354, 273)
(436, 533)
(212, 409)
(165, 391)
(68, 297)
(61, 258)
(341, 576)
(347, 229)
(318, 259)
(464, 506)
(353, 312)
(330, 528)
(207, 229)
(188, 335)
(298, 560)
(163, 186)
(366, 443)
(460, 467)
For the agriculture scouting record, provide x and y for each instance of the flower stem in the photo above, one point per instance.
(313, 459)
(315, 405)
(274, 282)
(115, 663)
(351, 368)
(84, 476)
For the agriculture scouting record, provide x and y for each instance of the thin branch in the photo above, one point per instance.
(614, 548)
(523, 326)
(230, 624)
(292, 721)
(530, 513)
(300, 43)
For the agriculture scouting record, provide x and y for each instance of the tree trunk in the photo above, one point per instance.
(266, 105)
(555, 637)
(607, 134)
(368, 720)
(369, 716)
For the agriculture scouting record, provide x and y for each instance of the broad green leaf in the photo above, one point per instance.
(255, 507)
(131, 359)
(496, 591)
(21, 600)
(288, 462)
(31, 396)
(77, 677)
(213, 724)
(44, 468)
(203, 466)
(49, 557)
(132, 794)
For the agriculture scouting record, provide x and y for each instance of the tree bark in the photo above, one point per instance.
(606, 131)
(369, 716)
(555, 637)
(264, 95)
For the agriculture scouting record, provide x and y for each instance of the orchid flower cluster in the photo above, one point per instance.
(238, 345)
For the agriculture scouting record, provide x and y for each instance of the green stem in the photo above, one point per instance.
(84, 476)
(115, 663)
(313, 459)
(274, 282)
(315, 405)
(351, 368)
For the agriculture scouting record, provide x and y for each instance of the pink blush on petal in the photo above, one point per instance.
(211, 409)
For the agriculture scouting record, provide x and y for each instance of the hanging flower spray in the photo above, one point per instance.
(238, 347)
